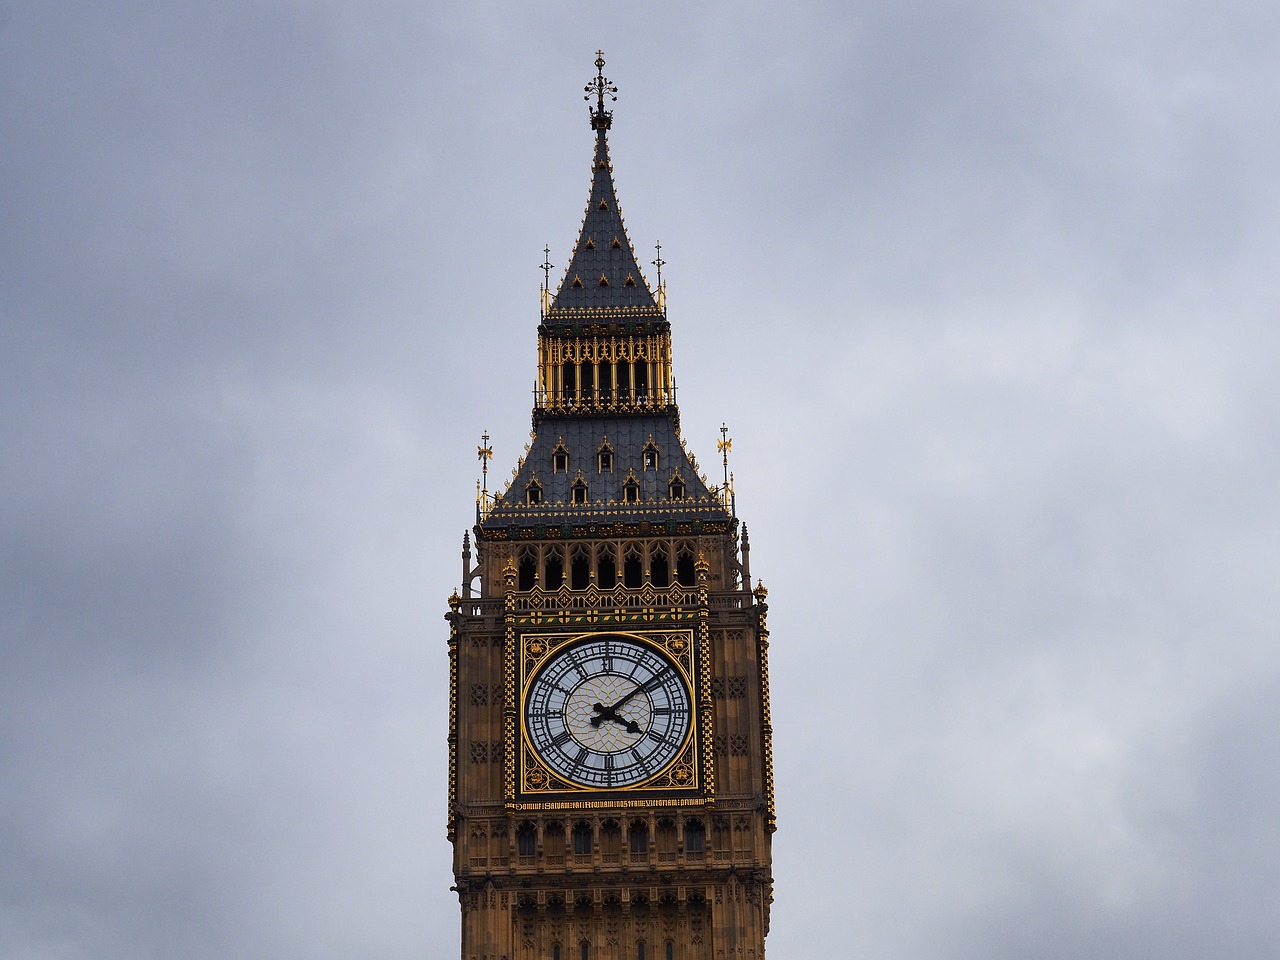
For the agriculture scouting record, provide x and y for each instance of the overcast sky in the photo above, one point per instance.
(986, 293)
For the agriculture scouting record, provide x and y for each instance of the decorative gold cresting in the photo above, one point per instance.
(600, 88)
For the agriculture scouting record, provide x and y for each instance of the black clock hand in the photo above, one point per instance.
(607, 713)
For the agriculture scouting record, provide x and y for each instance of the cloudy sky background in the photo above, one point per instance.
(986, 293)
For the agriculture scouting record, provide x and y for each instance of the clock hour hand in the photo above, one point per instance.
(610, 713)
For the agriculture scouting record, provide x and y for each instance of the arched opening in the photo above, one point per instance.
(606, 569)
(666, 839)
(553, 571)
(528, 573)
(659, 570)
(580, 570)
(632, 572)
(686, 574)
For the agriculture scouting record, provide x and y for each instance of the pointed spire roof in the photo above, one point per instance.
(603, 272)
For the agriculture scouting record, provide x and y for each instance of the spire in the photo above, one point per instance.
(603, 273)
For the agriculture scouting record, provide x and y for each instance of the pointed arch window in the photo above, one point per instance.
(560, 458)
(533, 491)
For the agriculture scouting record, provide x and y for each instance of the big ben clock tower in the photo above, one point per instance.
(610, 767)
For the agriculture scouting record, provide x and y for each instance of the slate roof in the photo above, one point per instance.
(582, 439)
(603, 250)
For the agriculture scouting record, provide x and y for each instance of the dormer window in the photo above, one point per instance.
(533, 492)
(560, 458)
(579, 491)
(616, 245)
(604, 457)
(630, 281)
(604, 280)
(675, 489)
(650, 455)
(591, 244)
(631, 491)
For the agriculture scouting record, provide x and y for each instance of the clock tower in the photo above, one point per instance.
(610, 767)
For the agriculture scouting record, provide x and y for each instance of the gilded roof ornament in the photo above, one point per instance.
(600, 88)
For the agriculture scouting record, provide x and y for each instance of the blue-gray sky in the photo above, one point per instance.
(985, 292)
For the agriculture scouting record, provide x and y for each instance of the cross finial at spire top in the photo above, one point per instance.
(600, 88)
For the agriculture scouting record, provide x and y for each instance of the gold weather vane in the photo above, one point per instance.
(600, 88)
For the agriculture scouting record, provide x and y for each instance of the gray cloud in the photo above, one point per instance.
(984, 294)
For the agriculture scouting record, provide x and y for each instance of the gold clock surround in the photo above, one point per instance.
(537, 785)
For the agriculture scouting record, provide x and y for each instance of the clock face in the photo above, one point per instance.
(608, 712)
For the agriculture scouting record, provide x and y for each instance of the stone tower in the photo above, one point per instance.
(610, 767)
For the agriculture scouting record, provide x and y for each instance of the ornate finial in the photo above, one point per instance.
(600, 87)
(659, 263)
(546, 280)
(724, 445)
(485, 453)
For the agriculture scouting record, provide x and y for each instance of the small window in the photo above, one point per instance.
(671, 950)
(640, 950)
(630, 491)
(533, 492)
(639, 837)
(560, 459)
(604, 460)
(650, 456)
(695, 837)
(676, 488)
(580, 491)
(555, 952)
(582, 838)
(586, 947)
(526, 840)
